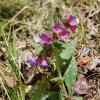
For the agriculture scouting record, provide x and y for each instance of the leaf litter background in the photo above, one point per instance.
(37, 18)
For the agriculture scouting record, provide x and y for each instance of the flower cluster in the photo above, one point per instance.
(38, 61)
(62, 33)
(59, 32)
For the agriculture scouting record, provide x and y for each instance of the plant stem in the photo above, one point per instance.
(62, 83)
(59, 73)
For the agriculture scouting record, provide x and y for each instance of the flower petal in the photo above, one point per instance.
(42, 62)
(72, 20)
(57, 28)
(74, 29)
(45, 39)
(32, 61)
(63, 35)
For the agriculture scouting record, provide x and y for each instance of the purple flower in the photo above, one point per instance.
(42, 62)
(63, 34)
(57, 28)
(72, 21)
(73, 29)
(32, 61)
(45, 39)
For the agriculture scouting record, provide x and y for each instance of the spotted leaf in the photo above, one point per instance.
(71, 74)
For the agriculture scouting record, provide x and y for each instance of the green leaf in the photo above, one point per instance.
(35, 45)
(39, 91)
(71, 74)
(38, 48)
(68, 50)
(80, 33)
(77, 98)
(56, 79)
(44, 95)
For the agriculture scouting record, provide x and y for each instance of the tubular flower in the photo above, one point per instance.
(45, 39)
(63, 34)
(42, 62)
(73, 21)
(73, 29)
(57, 28)
(32, 61)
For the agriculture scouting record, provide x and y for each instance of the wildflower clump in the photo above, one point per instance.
(58, 33)
(53, 51)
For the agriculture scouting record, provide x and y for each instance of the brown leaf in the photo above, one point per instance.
(95, 62)
(8, 77)
(10, 81)
(2, 98)
(20, 44)
(82, 62)
(80, 86)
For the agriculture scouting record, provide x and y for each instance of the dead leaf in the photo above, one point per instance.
(8, 77)
(80, 86)
(68, 98)
(2, 98)
(84, 61)
(26, 55)
(10, 81)
(84, 51)
(20, 44)
(94, 62)
(28, 88)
